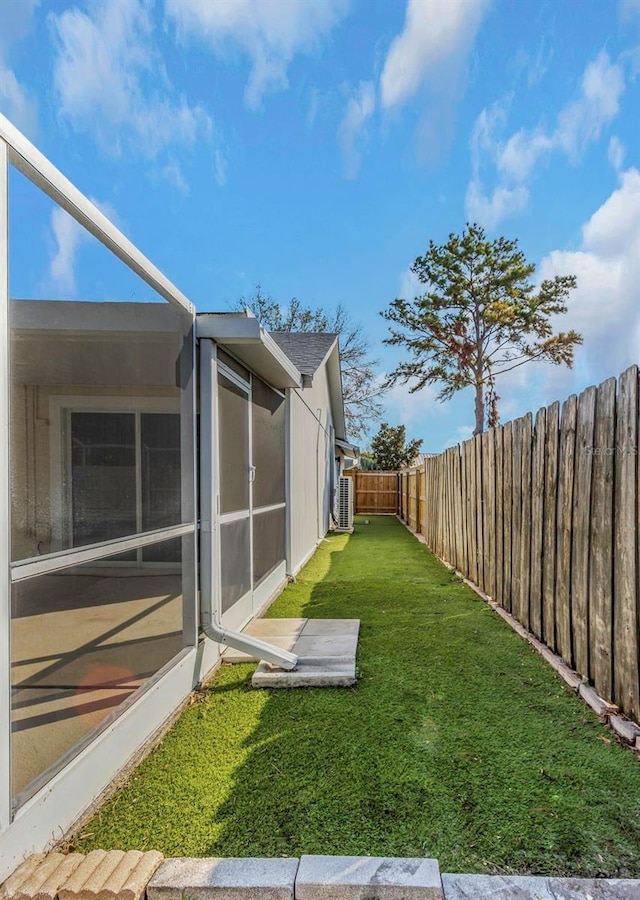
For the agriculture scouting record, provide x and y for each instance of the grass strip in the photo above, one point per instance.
(458, 742)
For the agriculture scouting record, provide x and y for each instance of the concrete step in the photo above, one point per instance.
(241, 879)
(326, 651)
(367, 878)
(530, 887)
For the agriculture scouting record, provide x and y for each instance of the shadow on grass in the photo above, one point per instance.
(458, 741)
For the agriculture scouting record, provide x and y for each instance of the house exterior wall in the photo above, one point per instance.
(312, 464)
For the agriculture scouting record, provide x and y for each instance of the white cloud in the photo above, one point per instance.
(269, 33)
(579, 123)
(173, 174)
(68, 237)
(629, 9)
(462, 433)
(491, 210)
(221, 163)
(352, 132)
(404, 408)
(111, 83)
(16, 101)
(604, 308)
(410, 285)
(616, 153)
(432, 49)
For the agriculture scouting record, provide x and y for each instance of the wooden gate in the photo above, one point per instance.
(375, 493)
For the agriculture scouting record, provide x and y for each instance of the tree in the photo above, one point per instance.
(480, 316)
(367, 461)
(361, 388)
(390, 450)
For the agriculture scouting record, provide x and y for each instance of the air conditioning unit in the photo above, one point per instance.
(345, 504)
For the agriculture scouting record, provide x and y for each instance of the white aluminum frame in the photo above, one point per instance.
(5, 503)
(47, 815)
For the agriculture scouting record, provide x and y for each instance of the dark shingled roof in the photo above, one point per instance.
(305, 349)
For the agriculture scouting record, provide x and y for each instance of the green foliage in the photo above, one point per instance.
(458, 742)
(390, 449)
(361, 389)
(480, 317)
(367, 461)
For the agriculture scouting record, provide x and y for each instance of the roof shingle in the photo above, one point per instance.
(305, 349)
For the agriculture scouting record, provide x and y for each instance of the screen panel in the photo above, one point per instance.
(268, 543)
(101, 448)
(81, 369)
(83, 640)
(233, 442)
(268, 439)
(235, 561)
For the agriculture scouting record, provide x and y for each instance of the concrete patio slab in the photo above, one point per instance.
(318, 645)
(240, 879)
(367, 878)
(281, 633)
(308, 673)
(528, 887)
(326, 656)
(266, 627)
(284, 642)
(326, 627)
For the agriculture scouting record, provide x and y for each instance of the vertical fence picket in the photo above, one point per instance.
(460, 545)
(477, 441)
(464, 498)
(516, 517)
(507, 514)
(625, 573)
(499, 499)
(549, 529)
(566, 458)
(471, 511)
(452, 509)
(489, 476)
(525, 522)
(537, 519)
(580, 530)
(601, 541)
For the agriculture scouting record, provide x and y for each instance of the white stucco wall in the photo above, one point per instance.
(311, 459)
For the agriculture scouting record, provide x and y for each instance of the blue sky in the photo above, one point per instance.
(315, 146)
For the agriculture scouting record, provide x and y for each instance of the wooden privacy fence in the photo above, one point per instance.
(375, 492)
(542, 514)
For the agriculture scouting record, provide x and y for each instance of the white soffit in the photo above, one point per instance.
(348, 448)
(251, 344)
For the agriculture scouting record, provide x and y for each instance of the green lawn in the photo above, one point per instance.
(458, 742)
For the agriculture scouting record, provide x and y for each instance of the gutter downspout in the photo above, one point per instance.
(213, 629)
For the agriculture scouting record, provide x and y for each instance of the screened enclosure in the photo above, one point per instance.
(99, 622)
(101, 483)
